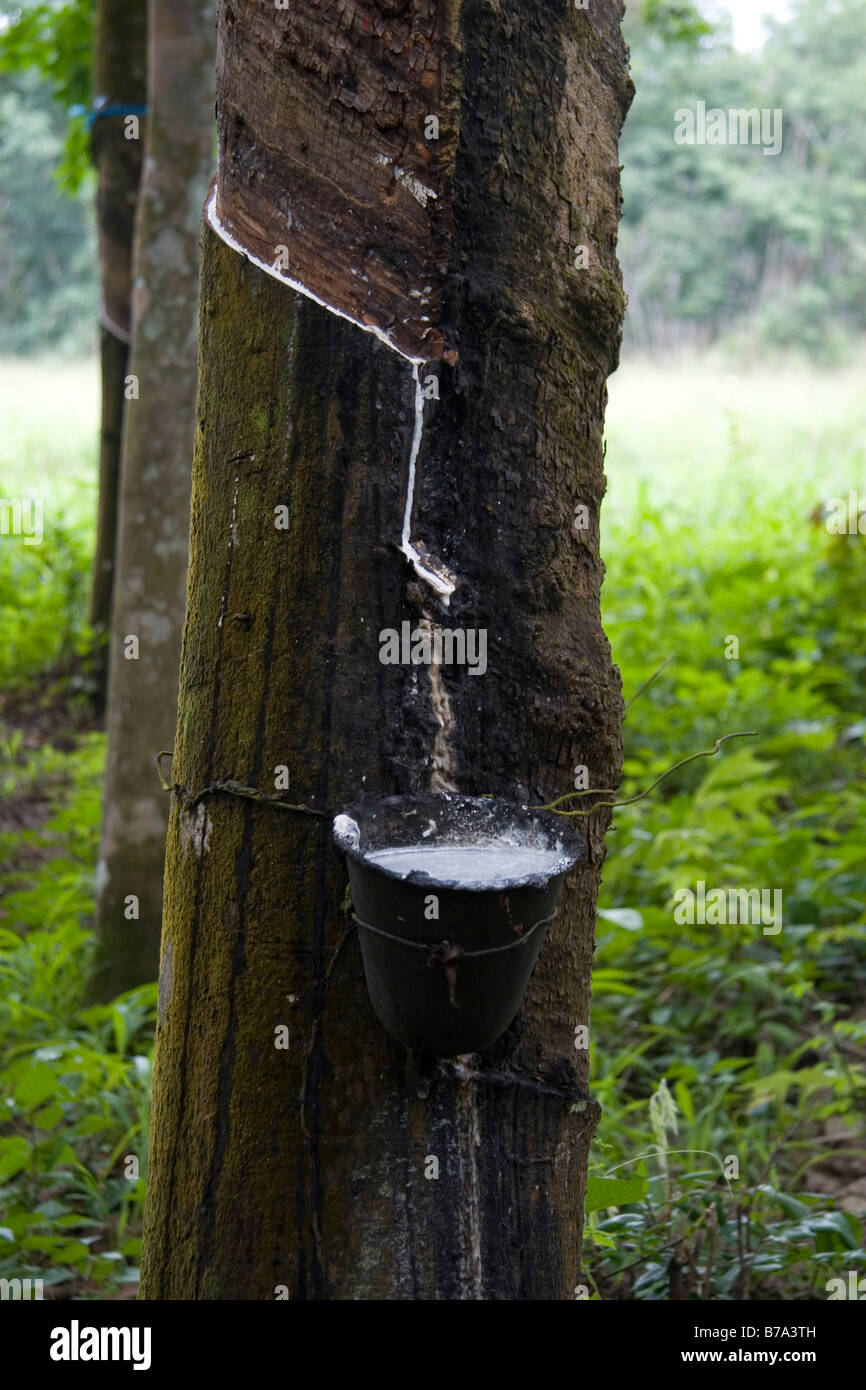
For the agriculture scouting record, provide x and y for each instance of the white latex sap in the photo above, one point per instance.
(461, 865)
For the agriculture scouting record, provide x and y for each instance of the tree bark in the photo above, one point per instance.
(300, 1172)
(152, 543)
(119, 83)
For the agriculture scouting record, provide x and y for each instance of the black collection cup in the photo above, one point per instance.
(447, 961)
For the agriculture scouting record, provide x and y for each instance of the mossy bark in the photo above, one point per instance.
(303, 1171)
(153, 510)
(119, 81)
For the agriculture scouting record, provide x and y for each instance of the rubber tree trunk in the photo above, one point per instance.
(153, 526)
(119, 87)
(304, 1171)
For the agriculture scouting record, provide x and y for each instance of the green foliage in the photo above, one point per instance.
(43, 600)
(49, 294)
(48, 288)
(674, 21)
(48, 415)
(55, 40)
(709, 1043)
(719, 1042)
(723, 240)
(716, 243)
(602, 1193)
(74, 1082)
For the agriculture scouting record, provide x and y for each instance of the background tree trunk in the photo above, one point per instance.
(119, 84)
(300, 1172)
(150, 583)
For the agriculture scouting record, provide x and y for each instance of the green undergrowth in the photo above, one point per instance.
(729, 1062)
(75, 1081)
(48, 450)
(729, 1058)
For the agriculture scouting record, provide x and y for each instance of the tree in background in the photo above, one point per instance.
(119, 94)
(153, 528)
(722, 241)
(448, 174)
(716, 244)
(100, 60)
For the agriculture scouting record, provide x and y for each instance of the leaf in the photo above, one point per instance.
(50, 1209)
(35, 1085)
(599, 1238)
(72, 1252)
(626, 917)
(839, 1224)
(48, 1118)
(611, 982)
(613, 1192)
(684, 1100)
(790, 1205)
(15, 1154)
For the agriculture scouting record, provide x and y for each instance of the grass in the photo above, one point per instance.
(47, 452)
(705, 436)
(50, 413)
(728, 1062)
(744, 1050)
(74, 1081)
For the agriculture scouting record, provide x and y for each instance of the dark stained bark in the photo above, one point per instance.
(119, 81)
(153, 531)
(304, 1168)
(355, 85)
